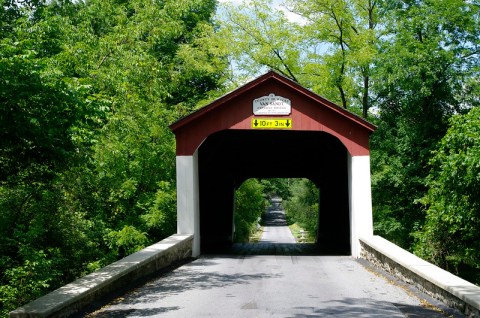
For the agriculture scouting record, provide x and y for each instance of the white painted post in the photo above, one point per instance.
(360, 199)
(188, 209)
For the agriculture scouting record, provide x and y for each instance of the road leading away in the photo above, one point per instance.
(272, 286)
(275, 228)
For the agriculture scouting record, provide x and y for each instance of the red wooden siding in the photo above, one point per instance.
(310, 112)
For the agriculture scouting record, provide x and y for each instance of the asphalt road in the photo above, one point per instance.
(272, 286)
(275, 228)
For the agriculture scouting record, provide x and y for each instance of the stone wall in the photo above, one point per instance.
(432, 280)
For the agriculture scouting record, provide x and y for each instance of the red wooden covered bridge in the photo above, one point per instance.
(273, 127)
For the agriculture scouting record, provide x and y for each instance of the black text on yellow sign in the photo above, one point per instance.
(272, 123)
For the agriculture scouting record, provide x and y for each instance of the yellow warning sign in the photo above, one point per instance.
(271, 123)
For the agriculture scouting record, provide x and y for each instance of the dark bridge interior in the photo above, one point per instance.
(229, 157)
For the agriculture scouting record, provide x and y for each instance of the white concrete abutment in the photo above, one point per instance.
(188, 209)
(360, 200)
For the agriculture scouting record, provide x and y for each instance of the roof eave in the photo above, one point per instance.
(267, 76)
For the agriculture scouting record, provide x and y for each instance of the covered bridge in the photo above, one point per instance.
(273, 127)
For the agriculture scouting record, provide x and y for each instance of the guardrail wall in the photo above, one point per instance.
(438, 283)
(73, 297)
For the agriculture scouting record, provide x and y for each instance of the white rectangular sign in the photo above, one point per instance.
(272, 105)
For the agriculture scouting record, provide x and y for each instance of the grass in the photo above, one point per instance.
(305, 237)
(257, 235)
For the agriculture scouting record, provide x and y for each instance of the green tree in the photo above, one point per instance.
(264, 38)
(151, 62)
(429, 61)
(277, 187)
(250, 203)
(302, 207)
(331, 50)
(87, 91)
(450, 237)
(42, 116)
(345, 35)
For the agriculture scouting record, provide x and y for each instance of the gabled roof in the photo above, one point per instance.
(309, 112)
(204, 111)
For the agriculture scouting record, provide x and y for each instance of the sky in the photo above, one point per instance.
(277, 4)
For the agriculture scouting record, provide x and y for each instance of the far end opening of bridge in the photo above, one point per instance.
(273, 128)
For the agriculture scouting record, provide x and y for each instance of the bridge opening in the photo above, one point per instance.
(289, 203)
(229, 157)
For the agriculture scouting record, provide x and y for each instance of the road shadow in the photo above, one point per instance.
(273, 248)
(188, 276)
(274, 214)
(123, 313)
(365, 307)
(274, 218)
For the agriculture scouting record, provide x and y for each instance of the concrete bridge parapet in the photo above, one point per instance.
(71, 298)
(438, 283)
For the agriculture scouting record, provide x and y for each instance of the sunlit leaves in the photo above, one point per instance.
(250, 203)
(328, 47)
(425, 75)
(87, 91)
(450, 236)
(126, 241)
(435, 48)
(39, 111)
(302, 207)
(263, 38)
(161, 214)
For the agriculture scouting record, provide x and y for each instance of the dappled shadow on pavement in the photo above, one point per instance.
(138, 302)
(123, 313)
(275, 214)
(272, 248)
(365, 307)
(274, 218)
(188, 277)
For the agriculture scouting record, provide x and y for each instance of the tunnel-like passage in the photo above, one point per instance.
(222, 144)
(229, 157)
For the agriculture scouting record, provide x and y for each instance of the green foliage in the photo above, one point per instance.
(277, 187)
(44, 244)
(27, 280)
(262, 37)
(161, 216)
(330, 50)
(428, 61)
(302, 207)
(40, 114)
(343, 40)
(450, 237)
(250, 203)
(302, 236)
(87, 161)
(126, 241)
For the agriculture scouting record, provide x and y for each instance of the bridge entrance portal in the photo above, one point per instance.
(245, 154)
(273, 128)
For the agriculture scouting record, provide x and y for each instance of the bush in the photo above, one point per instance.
(450, 237)
(250, 203)
(302, 208)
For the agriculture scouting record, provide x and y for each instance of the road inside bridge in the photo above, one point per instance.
(275, 228)
(270, 286)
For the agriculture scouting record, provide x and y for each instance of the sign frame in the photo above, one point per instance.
(272, 123)
(272, 105)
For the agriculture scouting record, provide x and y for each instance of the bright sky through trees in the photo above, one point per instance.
(276, 5)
